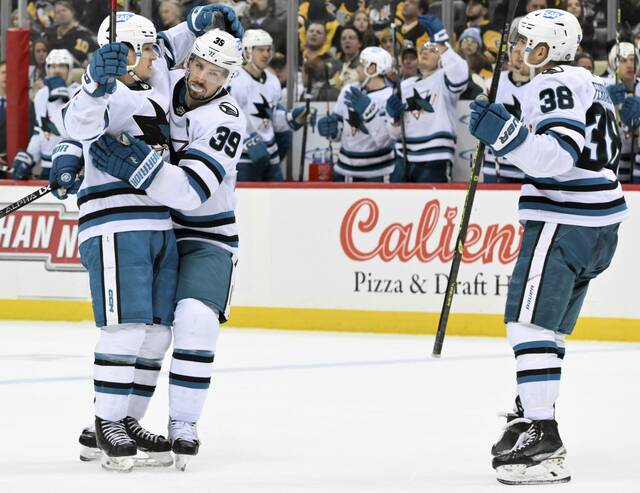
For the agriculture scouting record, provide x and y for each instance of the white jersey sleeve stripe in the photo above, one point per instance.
(212, 165)
(567, 143)
(197, 184)
(574, 125)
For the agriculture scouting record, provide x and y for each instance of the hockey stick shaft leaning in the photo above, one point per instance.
(478, 159)
(112, 21)
(305, 129)
(407, 169)
(41, 192)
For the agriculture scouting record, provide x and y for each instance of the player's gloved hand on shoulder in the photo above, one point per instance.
(202, 19)
(257, 150)
(57, 88)
(297, 116)
(108, 63)
(22, 165)
(362, 104)
(434, 27)
(494, 126)
(328, 126)
(67, 171)
(129, 159)
(395, 107)
(630, 111)
(617, 93)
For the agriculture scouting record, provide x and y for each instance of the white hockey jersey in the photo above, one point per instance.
(511, 95)
(107, 204)
(430, 117)
(206, 143)
(571, 151)
(48, 130)
(364, 155)
(259, 100)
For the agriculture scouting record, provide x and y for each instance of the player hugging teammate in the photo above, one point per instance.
(126, 225)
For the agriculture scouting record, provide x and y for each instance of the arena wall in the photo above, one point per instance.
(332, 257)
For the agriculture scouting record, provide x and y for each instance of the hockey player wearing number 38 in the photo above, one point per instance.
(571, 205)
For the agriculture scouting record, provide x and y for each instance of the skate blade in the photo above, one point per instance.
(118, 464)
(549, 471)
(88, 454)
(182, 461)
(153, 459)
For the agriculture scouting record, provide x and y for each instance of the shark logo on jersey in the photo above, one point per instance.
(356, 123)
(229, 109)
(155, 129)
(48, 127)
(515, 109)
(416, 104)
(263, 111)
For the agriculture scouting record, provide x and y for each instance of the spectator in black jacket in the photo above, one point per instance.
(262, 15)
(68, 34)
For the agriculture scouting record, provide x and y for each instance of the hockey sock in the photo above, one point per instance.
(538, 368)
(114, 368)
(147, 368)
(195, 333)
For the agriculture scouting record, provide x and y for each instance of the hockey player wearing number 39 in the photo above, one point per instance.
(571, 204)
(207, 131)
(358, 121)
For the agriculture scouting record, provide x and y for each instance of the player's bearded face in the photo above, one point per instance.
(204, 79)
(58, 69)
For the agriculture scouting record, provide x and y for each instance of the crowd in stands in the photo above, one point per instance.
(332, 34)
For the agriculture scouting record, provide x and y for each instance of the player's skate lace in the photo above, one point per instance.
(515, 421)
(115, 433)
(139, 431)
(183, 430)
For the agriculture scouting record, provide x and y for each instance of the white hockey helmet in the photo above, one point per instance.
(622, 50)
(253, 38)
(133, 29)
(558, 29)
(378, 56)
(221, 49)
(59, 57)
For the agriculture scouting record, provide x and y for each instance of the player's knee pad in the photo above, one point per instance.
(124, 339)
(196, 326)
(157, 340)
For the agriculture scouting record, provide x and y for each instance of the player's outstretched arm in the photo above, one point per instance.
(456, 72)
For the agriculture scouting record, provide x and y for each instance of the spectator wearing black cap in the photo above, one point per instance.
(476, 14)
(69, 35)
(408, 61)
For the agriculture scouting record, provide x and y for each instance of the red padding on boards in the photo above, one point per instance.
(17, 91)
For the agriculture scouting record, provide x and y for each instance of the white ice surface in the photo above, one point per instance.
(320, 412)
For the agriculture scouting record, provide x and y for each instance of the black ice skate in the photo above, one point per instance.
(537, 458)
(516, 425)
(118, 448)
(184, 441)
(88, 446)
(156, 447)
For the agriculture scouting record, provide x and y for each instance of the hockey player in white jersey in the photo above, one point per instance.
(511, 89)
(571, 204)
(126, 238)
(258, 93)
(623, 60)
(358, 122)
(207, 131)
(48, 102)
(428, 107)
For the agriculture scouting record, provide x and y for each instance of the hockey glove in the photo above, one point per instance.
(434, 27)
(257, 150)
(297, 116)
(328, 126)
(395, 107)
(57, 89)
(630, 111)
(108, 63)
(129, 159)
(494, 126)
(66, 168)
(22, 166)
(203, 19)
(359, 102)
(617, 93)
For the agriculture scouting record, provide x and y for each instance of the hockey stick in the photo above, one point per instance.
(407, 169)
(326, 97)
(478, 159)
(41, 192)
(305, 129)
(112, 21)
